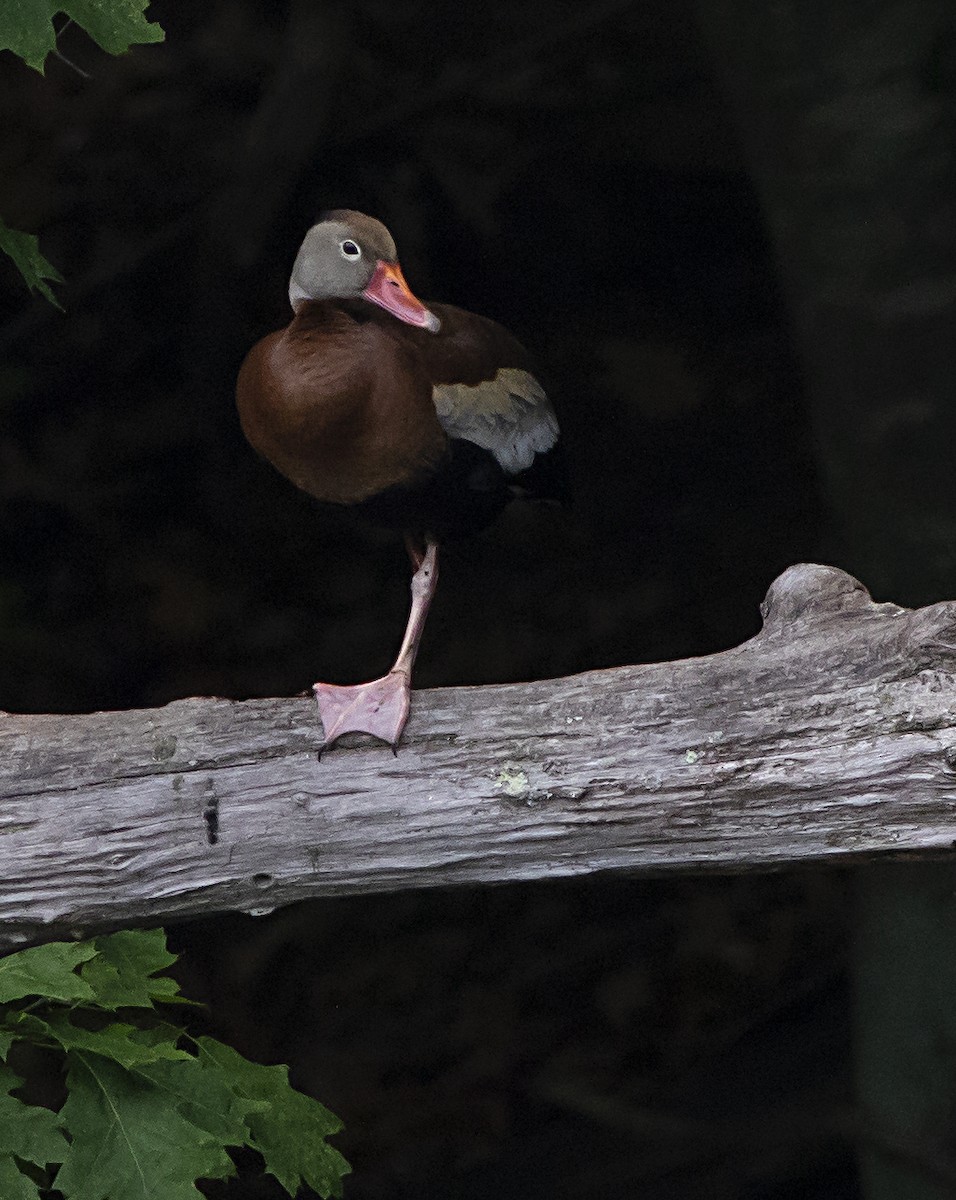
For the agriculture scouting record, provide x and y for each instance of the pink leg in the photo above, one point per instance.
(380, 708)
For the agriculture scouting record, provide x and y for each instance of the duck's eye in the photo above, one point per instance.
(350, 250)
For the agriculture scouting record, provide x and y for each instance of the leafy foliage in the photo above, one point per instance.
(280, 1119)
(149, 1110)
(24, 249)
(30, 1132)
(46, 971)
(26, 28)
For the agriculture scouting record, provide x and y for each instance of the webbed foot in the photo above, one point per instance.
(379, 708)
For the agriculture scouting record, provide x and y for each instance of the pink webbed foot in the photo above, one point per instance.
(379, 708)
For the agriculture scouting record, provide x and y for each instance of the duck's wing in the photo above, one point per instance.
(483, 389)
(509, 416)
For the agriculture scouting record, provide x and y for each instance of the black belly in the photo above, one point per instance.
(461, 497)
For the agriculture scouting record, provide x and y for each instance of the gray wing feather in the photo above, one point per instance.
(509, 416)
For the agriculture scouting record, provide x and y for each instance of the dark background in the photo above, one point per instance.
(727, 232)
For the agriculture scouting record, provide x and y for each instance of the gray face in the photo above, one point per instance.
(338, 257)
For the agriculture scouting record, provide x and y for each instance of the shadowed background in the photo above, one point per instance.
(729, 249)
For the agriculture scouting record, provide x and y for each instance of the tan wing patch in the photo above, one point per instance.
(509, 416)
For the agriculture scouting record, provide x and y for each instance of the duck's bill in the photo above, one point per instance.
(388, 288)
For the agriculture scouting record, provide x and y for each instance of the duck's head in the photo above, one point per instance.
(349, 256)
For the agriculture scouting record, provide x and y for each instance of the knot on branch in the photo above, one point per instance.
(931, 636)
(808, 593)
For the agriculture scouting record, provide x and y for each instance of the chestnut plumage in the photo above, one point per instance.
(422, 417)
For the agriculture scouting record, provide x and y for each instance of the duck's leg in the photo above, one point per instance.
(380, 708)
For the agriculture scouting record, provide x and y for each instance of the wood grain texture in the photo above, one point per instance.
(831, 736)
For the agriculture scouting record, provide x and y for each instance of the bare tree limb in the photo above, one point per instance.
(831, 736)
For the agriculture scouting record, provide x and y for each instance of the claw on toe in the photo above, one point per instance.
(378, 708)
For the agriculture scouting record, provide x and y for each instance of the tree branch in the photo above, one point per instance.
(831, 736)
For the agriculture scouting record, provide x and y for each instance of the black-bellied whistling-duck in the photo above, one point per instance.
(422, 418)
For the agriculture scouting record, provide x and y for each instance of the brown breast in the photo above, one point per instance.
(339, 405)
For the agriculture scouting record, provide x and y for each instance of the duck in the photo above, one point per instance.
(425, 419)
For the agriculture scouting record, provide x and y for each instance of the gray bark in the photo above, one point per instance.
(831, 736)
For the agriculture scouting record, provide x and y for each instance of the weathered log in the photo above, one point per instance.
(830, 736)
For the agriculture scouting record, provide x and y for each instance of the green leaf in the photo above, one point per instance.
(144, 1119)
(157, 1032)
(114, 24)
(27, 1130)
(120, 974)
(128, 1142)
(203, 1094)
(46, 971)
(123, 1043)
(24, 249)
(14, 1185)
(26, 27)
(289, 1131)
